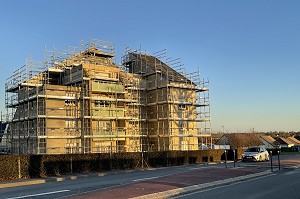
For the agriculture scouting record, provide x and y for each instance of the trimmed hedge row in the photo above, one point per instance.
(33, 166)
(9, 167)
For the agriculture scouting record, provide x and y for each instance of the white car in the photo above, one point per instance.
(256, 154)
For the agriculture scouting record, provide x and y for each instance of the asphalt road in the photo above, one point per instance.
(283, 184)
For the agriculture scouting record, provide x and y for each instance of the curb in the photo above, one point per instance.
(193, 188)
(49, 179)
(21, 183)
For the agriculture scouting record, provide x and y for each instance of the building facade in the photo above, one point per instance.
(82, 102)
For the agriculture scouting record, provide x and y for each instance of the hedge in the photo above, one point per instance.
(34, 166)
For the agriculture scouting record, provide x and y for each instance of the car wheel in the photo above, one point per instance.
(267, 157)
(260, 158)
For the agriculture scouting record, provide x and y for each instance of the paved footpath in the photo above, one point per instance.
(167, 186)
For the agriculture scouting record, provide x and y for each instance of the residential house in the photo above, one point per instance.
(239, 140)
(269, 142)
(295, 141)
(284, 143)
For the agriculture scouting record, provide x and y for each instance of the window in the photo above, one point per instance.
(69, 102)
(103, 125)
(182, 124)
(101, 103)
(72, 146)
(70, 124)
(182, 106)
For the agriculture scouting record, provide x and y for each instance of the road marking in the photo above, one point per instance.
(137, 180)
(40, 194)
(292, 172)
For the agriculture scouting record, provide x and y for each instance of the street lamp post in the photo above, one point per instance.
(271, 161)
(225, 158)
(278, 160)
(233, 157)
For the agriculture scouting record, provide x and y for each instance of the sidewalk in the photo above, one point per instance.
(201, 186)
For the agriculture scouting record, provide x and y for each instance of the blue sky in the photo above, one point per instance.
(249, 50)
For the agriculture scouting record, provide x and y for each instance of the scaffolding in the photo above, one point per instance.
(79, 101)
(74, 102)
(178, 107)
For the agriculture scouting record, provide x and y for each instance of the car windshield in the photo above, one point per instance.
(252, 150)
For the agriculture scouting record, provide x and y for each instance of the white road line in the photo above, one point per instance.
(146, 178)
(40, 194)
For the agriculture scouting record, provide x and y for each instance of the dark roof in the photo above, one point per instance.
(156, 64)
(283, 141)
(295, 139)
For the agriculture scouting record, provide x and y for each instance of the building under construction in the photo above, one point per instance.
(81, 101)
